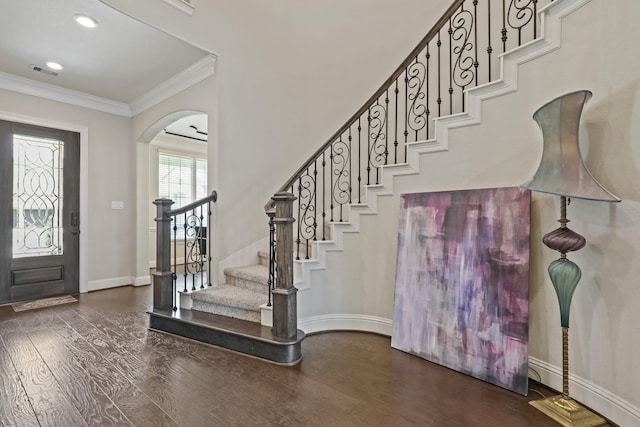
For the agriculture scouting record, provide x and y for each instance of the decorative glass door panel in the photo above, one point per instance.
(39, 216)
(37, 196)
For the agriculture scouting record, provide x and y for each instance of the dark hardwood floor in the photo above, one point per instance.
(95, 363)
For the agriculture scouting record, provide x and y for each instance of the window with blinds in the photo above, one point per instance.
(183, 179)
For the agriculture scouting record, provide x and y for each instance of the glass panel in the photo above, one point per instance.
(37, 196)
(183, 179)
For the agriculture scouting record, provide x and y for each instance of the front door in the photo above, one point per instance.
(39, 212)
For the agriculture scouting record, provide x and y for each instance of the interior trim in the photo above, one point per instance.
(181, 5)
(191, 75)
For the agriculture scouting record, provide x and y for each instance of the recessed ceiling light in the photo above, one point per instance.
(85, 21)
(54, 65)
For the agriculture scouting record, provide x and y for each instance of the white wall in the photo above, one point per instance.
(599, 52)
(289, 73)
(108, 250)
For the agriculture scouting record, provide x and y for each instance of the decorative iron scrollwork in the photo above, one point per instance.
(195, 252)
(341, 154)
(378, 152)
(307, 222)
(463, 70)
(520, 13)
(415, 80)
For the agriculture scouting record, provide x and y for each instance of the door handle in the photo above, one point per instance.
(75, 232)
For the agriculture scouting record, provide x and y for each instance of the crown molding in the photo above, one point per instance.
(191, 75)
(57, 93)
(181, 5)
(174, 85)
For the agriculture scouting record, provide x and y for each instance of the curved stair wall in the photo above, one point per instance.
(461, 155)
(349, 281)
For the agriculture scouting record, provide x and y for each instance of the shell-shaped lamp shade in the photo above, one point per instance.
(562, 170)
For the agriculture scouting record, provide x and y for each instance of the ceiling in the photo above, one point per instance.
(120, 60)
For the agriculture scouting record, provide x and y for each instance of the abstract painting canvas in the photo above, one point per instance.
(462, 282)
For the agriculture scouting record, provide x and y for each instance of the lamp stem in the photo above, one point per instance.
(565, 362)
(564, 201)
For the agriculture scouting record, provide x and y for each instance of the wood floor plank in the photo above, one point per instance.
(96, 408)
(50, 403)
(166, 383)
(154, 379)
(15, 409)
(132, 402)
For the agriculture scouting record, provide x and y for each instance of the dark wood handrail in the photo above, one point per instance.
(210, 198)
(387, 83)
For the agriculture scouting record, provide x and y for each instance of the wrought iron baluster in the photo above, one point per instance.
(406, 106)
(331, 182)
(175, 254)
(342, 185)
(201, 245)
(520, 13)
(184, 246)
(369, 146)
(489, 48)
(377, 137)
(350, 167)
(535, 19)
(306, 211)
(298, 239)
(315, 199)
(395, 132)
(272, 256)
(416, 73)
(427, 58)
(476, 64)
(386, 127)
(359, 159)
(504, 27)
(463, 74)
(450, 32)
(209, 239)
(439, 101)
(324, 209)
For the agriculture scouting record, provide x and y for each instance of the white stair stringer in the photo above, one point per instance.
(551, 31)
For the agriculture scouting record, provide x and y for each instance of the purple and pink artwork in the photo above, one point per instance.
(462, 282)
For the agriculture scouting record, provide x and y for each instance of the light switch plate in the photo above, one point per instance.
(117, 204)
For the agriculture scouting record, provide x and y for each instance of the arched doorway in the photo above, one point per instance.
(172, 162)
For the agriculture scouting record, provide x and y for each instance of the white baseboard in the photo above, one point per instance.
(345, 322)
(113, 282)
(142, 281)
(595, 397)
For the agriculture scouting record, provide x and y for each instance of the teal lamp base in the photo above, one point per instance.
(565, 275)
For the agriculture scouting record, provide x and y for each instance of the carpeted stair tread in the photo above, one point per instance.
(230, 296)
(252, 277)
(256, 273)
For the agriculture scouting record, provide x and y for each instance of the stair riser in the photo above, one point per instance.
(223, 310)
(247, 284)
(263, 258)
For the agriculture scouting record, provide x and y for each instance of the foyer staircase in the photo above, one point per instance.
(241, 296)
(230, 314)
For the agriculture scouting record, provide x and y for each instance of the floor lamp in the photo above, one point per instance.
(562, 172)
